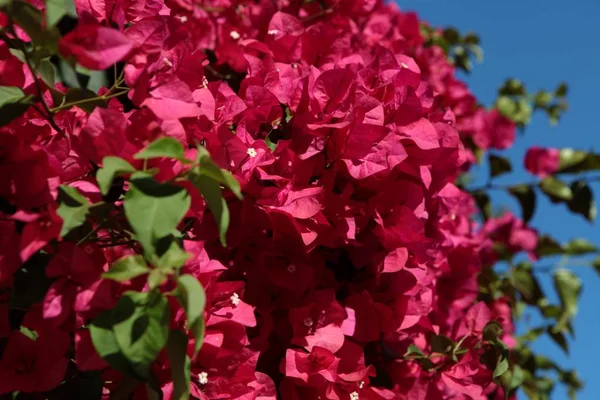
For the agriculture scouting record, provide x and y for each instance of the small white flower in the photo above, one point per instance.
(251, 152)
(403, 65)
(361, 384)
(273, 32)
(203, 377)
(235, 299)
(183, 19)
(308, 322)
(234, 35)
(291, 268)
(168, 62)
(354, 396)
(204, 82)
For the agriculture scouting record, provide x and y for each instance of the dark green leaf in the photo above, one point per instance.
(527, 284)
(560, 339)
(547, 246)
(154, 210)
(596, 265)
(198, 329)
(441, 344)
(180, 364)
(525, 195)
(73, 208)
(164, 147)
(561, 90)
(568, 287)
(173, 257)
(499, 165)
(483, 202)
(13, 103)
(112, 167)
(583, 200)
(92, 101)
(211, 191)
(127, 268)
(30, 282)
(492, 331)
(43, 67)
(556, 189)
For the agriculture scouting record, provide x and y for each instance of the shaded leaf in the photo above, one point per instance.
(499, 165)
(577, 247)
(56, 9)
(211, 191)
(483, 202)
(525, 195)
(568, 286)
(192, 297)
(13, 103)
(180, 364)
(583, 200)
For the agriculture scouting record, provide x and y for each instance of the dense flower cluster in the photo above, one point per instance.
(352, 249)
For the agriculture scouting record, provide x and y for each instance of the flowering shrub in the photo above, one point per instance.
(265, 200)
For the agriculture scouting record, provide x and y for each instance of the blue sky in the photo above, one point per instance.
(543, 42)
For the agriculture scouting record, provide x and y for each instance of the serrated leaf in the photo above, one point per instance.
(556, 189)
(112, 167)
(180, 364)
(127, 268)
(211, 191)
(163, 147)
(525, 195)
(499, 165)
(73, 209)
(154, 210)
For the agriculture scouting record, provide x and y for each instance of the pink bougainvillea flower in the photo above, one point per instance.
(95, 46)
(542, 161)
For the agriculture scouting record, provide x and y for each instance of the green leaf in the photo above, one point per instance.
(180, 364)
(56, 9)
(525, 195)
(483, 203)
(518, 377)
(209, 168)
(507, 106)
(568, 287)
(73, 208)
(271, 145)
(596, 264)
(577, 247)
(92, 100)
(13, 103)
(501, 367)
(30, 282)
(559, 338)
(561, 90)
(583, 200)
(127, 268)
(112, 167)
(163, 147)
(547, 246)
(414, 352)
(211, 191)
(141, 328)
(172, 258)
(492, 331)
(30, 19)
(192, 297)
(527, 284)
(441, 344)
(570, 159)
(556, 189)
(43, 67)
(154, 210)
(499, 165)
(156, 278)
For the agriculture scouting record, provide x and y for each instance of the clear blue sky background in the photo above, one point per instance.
(543, 42)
